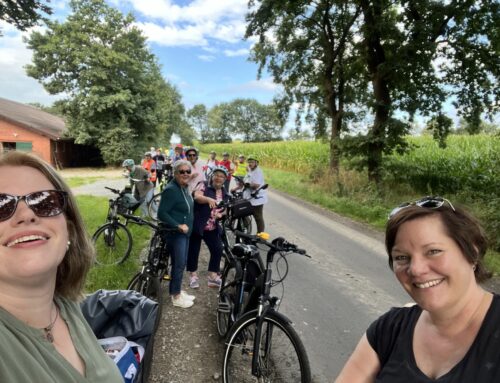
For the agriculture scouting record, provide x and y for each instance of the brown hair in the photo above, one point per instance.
(460, 226)
(79, 258)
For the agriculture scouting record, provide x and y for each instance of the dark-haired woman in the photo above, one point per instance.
(452, 333)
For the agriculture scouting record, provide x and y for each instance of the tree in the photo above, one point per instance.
(198, 118)
(254, 121)
(116, 98)
(440, 126)
(308, 47)
(23, 14)
(219, 123)
(329, 53)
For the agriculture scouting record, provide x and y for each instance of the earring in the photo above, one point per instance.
(67, 245)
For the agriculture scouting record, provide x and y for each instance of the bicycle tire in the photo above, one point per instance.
(153, 206)
(149, 286)
(283, 359)
(225, 299)
(159, 256)
(113, 243)
(244, 224)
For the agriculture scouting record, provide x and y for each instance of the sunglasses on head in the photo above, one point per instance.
(184, 172)
(429, 202)
(45, 203)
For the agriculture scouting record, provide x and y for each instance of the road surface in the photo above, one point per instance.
(335, 295)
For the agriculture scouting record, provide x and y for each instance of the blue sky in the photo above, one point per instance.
(199, 45)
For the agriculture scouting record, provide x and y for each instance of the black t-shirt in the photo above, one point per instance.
(391, 337)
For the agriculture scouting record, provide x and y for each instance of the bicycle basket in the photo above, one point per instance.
(241, 208)
(127, 202)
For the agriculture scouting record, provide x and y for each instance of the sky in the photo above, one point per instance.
(199, 45)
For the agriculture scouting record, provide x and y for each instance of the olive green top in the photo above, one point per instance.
(26, 356)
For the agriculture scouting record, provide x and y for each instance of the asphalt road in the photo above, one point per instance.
(335, 295)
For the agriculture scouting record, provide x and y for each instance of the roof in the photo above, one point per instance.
(31, 118)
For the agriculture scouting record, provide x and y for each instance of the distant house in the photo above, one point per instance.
(24, 127)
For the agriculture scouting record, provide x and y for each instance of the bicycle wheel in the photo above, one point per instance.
(113, 243)
(153, 206)
(282, 356)
(226, 299)
(147, 285)
(244, 224)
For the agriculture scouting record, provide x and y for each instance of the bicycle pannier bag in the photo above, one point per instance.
(242, 208)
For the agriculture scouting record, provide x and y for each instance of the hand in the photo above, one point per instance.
(183, 228)
(211, 202)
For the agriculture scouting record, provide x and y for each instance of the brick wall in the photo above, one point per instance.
(10, 132)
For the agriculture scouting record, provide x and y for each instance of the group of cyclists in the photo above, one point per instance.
(205, 183)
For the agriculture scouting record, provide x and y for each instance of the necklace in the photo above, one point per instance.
(48, 330)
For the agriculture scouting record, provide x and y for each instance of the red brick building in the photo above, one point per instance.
(26, 128)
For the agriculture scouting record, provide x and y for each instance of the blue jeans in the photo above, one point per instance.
(144, 204)
(177, 245)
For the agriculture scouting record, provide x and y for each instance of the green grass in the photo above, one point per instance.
(74, 182)
(94, 210)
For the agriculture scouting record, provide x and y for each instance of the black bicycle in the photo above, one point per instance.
(239, 211)
(154, 204)
(233, 221)
(154, 269)
(262, 344)
(113, 240)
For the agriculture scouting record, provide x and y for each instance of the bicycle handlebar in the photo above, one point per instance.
(278, 244)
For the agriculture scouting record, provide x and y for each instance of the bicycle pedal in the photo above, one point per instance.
(166, 277)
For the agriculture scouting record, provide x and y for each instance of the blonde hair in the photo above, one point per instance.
(72, 271)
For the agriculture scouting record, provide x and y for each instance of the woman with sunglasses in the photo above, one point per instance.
(452, 333)
(176, 211)
(44, 257)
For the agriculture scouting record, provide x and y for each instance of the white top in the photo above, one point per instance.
(255, 177)
(200, 177)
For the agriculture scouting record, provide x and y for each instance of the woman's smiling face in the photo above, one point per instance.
(31, 247)
(430, 265)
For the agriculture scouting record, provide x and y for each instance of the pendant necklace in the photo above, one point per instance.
(48, 330)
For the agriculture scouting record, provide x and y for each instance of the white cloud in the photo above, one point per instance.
(14, 83)
(206, 58)
(169, 24)
(266, 84)
(238, 52)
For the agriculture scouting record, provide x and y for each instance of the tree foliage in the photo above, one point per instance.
(440, 126)
(198, 118)
(116, 97)
(334, 57)
(23, 14)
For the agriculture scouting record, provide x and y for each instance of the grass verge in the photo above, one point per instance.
(94, 211)
(74, 182)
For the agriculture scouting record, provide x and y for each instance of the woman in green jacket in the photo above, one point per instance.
(176, 211)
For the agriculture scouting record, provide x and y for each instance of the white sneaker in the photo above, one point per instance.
(182, 302)
(187, 296)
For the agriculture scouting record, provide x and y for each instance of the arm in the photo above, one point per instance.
(167, 202)
(362, 366)
(202, 199)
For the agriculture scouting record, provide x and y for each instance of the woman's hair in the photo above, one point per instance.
(180, 163)
(71, 272)
(460, 226)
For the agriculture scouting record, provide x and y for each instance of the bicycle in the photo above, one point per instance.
(240, 211)
(113, 240)
(231, 223)
(154, 204)
(262, 343)
(154, 269)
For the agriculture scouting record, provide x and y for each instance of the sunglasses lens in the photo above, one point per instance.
(184, 171)
(7, 206)
(47, 203)
(431, 203)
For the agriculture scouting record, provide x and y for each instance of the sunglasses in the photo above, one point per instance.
(191, 155)
(184, 172)
(428, 202)
(46, 203)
